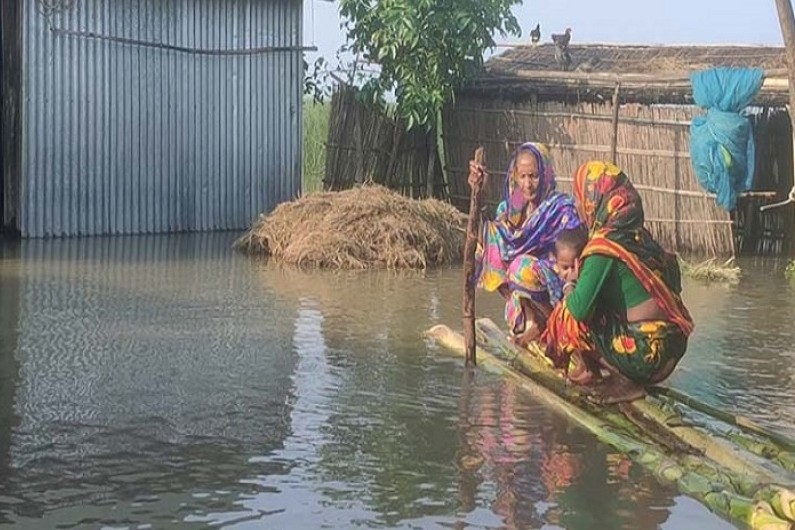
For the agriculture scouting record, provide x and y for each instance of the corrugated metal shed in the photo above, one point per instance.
(144, 116)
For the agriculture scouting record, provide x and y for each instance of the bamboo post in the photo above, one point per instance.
(727, 417)
(696, 476)
(786, 19)
(469, 266)
(614, 139)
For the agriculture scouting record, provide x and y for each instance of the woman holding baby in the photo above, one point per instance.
(618, 309)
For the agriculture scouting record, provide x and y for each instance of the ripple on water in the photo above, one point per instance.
(166, 380)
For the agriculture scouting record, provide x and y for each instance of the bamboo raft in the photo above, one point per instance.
(738, 469)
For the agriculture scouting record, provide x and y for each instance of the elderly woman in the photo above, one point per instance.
(512, 256)
(624, 313)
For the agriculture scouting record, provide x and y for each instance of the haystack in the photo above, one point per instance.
(362, 228)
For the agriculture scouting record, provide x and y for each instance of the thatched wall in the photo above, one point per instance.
(653, 148)
(365, 143)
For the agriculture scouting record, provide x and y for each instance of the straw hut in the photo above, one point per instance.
(631, 104)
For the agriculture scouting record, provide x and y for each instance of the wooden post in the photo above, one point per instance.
(614, 140)
(786, 19)
(470, 246)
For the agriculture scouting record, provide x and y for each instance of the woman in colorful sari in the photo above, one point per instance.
(512, 257)
(624, 313)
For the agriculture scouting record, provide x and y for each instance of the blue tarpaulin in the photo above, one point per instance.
(722, 141)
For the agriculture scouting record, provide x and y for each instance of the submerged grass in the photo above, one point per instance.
(712, 270)
(362, 228)
(789, 271)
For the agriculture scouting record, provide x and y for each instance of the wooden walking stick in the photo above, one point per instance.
(473, 224)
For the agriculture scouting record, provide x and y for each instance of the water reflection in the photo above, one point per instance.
(742, 356)
(148, 370)
(9, 367)
(167, 380)
(405, 459)
(543, 472)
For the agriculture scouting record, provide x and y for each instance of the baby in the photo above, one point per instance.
(560, 273)
(568, 247)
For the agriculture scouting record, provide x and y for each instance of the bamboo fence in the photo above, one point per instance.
(651, 144)
(367, 144)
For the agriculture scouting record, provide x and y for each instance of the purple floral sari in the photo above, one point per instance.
(516, 246)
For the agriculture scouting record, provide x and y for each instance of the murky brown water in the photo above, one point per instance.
(166, 381)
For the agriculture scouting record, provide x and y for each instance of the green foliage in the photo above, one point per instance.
(789, 272)
(316, 119)
(426, 49)
(316, 82)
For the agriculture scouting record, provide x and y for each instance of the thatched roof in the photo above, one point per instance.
(648, 74)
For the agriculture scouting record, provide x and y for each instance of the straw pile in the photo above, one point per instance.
(362, 228)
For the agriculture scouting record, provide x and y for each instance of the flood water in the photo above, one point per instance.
(150, 382)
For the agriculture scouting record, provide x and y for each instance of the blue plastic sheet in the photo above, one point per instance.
(722, 142)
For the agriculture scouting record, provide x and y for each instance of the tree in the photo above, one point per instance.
(426, 49)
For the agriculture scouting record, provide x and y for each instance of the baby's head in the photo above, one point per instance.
(568, 247)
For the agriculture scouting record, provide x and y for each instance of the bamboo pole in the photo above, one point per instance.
(614, 138)
(576, 115)
(764, 448)
(726, 417)
(714, 490)
(786, 19)
(664, 153)
(534, 365)
(643, 187)
(469, 266)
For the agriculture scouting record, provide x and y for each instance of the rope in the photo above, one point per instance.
(181, 49)
(790, 199)
(48, 8)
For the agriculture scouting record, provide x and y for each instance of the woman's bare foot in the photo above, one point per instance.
(586, 372)
(581, 375)
(618, 389)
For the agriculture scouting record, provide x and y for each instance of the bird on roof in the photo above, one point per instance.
(535, 34)
(562, 57)
(562, 40)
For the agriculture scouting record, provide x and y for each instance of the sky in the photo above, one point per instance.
(607, 21)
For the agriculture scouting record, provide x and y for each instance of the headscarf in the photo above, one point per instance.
(611, 208)
(512, 194)
(534, 233)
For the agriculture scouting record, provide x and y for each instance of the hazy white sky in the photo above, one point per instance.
(615, 21)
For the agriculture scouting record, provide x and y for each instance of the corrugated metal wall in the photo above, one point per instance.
(125, 138)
